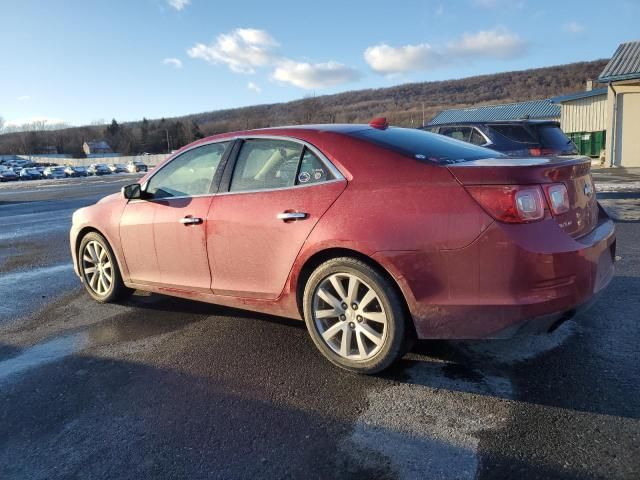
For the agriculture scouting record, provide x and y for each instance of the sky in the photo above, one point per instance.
(80, 62)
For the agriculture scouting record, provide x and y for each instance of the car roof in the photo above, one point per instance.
(292, 130)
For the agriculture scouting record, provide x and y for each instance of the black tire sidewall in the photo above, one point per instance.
(393, 347)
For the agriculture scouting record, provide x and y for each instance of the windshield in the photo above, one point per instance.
(425, 146)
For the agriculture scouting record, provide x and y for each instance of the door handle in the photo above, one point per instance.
(289, 216)
(191, 221)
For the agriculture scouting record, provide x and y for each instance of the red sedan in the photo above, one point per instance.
(373, 235)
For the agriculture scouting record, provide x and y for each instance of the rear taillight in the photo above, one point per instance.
(558, 198)
(540, 152)
(510, 203)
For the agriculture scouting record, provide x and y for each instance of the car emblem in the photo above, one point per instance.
(588, 189)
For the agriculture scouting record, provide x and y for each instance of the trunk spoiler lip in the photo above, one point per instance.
(551, 161)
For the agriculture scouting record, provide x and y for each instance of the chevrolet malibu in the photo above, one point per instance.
(374, 236)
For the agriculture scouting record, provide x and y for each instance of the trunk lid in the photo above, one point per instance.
(573, 172)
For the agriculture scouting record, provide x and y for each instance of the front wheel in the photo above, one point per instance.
(99, 270)
(355, 316)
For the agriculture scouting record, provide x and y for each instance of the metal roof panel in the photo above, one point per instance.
(624, 65)
(575, 96)
(535, 109)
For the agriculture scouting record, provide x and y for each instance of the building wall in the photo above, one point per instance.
(622, 127)
(584, 114)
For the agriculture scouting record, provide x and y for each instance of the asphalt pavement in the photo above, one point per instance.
(159, 387)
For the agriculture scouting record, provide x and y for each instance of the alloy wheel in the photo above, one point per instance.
(97, 267)
(349, 316)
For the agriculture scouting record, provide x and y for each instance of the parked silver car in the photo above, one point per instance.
(54, 172)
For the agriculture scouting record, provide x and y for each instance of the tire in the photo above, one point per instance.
(94, 250)
(372, 344)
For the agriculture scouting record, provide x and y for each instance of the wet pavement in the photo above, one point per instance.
(158, 387)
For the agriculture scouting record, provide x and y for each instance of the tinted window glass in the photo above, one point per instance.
(552, 136)
(188, 174)
(312, 170)
(517, 133)
(265, 164)
(477, 138)
(458, 133)
(424, 145)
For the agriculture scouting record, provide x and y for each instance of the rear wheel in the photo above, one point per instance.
(99, 269)
(355, 316)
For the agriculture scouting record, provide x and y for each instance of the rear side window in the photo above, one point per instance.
(312, 170)
(516, 133)
(552, 136)
(266, 164)
(458, 133)
(425, 146)
(477, 138)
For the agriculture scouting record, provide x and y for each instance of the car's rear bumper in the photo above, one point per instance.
(513, 279)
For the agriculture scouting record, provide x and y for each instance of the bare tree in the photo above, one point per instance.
(1, 124)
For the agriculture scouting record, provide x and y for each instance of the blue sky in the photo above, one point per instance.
(83, 61)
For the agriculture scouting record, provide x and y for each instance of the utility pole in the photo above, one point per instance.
(166, 131)
(423, 114)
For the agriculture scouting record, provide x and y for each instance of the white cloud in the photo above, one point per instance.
(174, 62)
(314, 75)
(497, 43)
(573, 27)
(408, 58)
(24, 98)
(439, 10)
(178, 4)
(242, 50)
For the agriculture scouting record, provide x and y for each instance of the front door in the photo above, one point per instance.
(163, 235)
(278, 191)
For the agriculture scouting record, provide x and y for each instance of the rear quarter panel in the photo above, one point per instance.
(392, 203)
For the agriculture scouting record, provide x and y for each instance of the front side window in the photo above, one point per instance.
(266, 164)
(189, 174)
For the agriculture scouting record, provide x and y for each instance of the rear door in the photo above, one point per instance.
(276, 191)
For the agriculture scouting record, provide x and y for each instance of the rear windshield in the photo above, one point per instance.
(552, 136)
(425, 146)
(517, 133)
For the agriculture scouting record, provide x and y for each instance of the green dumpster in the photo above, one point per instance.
(589, 143)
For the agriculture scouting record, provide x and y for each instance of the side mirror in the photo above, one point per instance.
(132, 192)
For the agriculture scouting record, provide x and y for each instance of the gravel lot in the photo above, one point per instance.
(166, 388)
